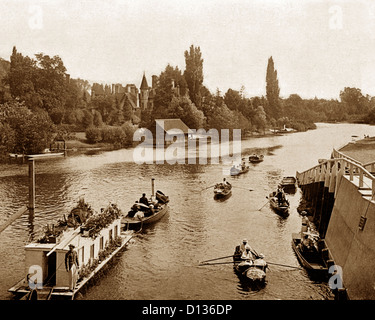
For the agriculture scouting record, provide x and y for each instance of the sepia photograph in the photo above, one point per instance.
(187, 157)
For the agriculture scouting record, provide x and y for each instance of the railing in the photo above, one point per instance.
(369, 166)
(330, 170)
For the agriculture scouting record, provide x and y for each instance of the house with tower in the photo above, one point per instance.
(140, 99)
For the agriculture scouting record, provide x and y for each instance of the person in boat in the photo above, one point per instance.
(133, 210)
(226, 183)
(244, 245)
(247, 255)
(71, 265)
(144, 200)
(280, 195)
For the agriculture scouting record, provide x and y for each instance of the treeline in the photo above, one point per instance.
(40, 102)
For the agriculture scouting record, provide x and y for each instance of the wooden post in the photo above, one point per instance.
(31, 206)
(153, 186)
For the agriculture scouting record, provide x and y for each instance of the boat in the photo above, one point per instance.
(309, 256)
(97, 238)
(288, 184)
(282, 207)
(256, 158)
(45, 155)
(253, 269)
(222, 190)
(236, 170)
(142, 215)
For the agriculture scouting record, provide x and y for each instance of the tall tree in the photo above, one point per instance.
(272, 90)
(194, 73)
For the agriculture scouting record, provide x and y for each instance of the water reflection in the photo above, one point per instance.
(162, 261)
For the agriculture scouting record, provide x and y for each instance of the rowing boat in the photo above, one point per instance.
(282, 207)
(253, 269)
(309, 257)
(222, 190)
(288, 184)
(256, 158)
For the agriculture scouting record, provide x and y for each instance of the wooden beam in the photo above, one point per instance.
(14, 217)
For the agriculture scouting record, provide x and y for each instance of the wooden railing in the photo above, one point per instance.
(331, 170)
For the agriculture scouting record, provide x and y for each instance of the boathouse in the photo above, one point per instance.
(171, 129)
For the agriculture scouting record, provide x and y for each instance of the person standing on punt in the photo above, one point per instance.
(71, 264)
(144, 200)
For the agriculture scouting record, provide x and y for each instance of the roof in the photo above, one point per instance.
(144, 84)
(172, 124)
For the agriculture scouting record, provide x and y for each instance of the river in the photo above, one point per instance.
(161, 262)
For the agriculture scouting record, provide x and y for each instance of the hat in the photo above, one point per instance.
(244, 240)
(71, 246)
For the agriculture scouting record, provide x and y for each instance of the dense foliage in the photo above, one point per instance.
(39, 102)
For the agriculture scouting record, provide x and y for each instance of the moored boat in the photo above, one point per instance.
(97, 238)
(288, 184)
(309, 249)
(256, 158)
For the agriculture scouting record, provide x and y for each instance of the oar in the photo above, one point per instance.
(263, 205)
(284, 265)
(211, 264)
(236, 255)
(243, 188)
(207, 187)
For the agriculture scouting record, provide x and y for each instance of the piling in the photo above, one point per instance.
(31, 205)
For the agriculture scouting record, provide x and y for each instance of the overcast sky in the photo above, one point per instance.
(318, 47)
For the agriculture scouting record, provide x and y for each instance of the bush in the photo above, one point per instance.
(94, 135)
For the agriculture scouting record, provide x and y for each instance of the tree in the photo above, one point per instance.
(182, 107)
(193, 73)
(33, 131)
(170, 83)
(20, 76)
(354, 101)
(272, 90)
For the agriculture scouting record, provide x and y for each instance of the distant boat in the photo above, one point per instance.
(45, 155)
(239, 169)
(256, 158)
(222, 190)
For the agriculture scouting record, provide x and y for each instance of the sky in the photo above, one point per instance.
(318, 47)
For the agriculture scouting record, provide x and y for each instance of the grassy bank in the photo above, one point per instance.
(361, 150)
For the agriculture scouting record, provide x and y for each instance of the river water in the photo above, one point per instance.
(161, 262)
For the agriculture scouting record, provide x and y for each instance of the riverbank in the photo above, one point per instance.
(362, 150)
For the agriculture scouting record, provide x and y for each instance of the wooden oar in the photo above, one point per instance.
(284, 265)
(208, 187)
(263, 205)
(237, 255)
(211, 264)
(243, 188)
